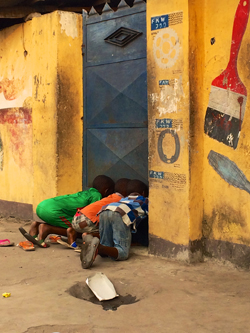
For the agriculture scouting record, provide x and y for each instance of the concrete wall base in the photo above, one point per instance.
(16, 209)
(192, 253)
(238, 254)
(164, 248)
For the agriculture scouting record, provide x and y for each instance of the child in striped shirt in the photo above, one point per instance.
(115, 223)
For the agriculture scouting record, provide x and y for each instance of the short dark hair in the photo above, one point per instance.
(136, 185)
(104, 184)
(121, 186)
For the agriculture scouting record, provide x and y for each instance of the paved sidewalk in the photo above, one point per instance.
(170, 296)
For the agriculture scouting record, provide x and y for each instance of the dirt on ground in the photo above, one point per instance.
(49, 292)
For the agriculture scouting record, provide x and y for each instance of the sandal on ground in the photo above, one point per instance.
(78, 240)
(77, 248)
(6, 242)
(26, 246)
(53, 239)
(60, 241)
(33, 239)
(89, 250)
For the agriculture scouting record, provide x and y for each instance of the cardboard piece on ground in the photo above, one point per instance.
(101, 286)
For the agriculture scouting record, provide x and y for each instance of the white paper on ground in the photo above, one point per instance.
(101, 286)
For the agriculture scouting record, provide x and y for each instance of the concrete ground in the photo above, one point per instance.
(166, 296)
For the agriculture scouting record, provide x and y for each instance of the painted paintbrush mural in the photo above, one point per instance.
(228, 96)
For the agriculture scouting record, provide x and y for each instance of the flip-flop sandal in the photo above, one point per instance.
(64, 243)
(54, 239)
(26, 246)
(89, 250)
(78, 240)
(6, 242)
(86, 239)
(32, 239)
(60, 241)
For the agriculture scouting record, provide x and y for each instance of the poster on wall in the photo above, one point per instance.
(168, 140)
(166, 101)
(167, 39)
(167, 180)
(166, 33)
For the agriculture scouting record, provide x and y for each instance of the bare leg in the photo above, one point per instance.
(34, 228)
(108, 251)
(47, 229)
(71, 233)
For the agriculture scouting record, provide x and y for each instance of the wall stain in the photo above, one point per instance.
(1, 154)
(17, 122)
(15, 116)
(228, 223)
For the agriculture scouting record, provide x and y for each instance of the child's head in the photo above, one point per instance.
(104, 185)
(137, 186)
(121, 186)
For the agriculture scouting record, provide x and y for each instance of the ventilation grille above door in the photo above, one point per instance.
(122, 36)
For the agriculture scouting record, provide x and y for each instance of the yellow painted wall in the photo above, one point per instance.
(16, 171)
(59, 85)
(167, 57)
(42, 158)
(70, 102)
(196, 141)
(226, 208)
(207, 205)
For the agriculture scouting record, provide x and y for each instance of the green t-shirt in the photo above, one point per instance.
(59, 211)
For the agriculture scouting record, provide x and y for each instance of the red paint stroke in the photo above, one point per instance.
(15, 120)
(11, 88)
(229, 79)
(221, 122)
(240, 101)
(16, 116)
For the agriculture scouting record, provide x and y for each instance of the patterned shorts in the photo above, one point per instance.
(78, 218)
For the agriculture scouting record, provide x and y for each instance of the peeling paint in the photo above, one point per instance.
(69, 24)
(1, 154)
(169, 97)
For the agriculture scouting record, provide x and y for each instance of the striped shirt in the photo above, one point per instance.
(132, 209)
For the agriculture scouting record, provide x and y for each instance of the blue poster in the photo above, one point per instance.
(156, 174)
(159, 22)
(163, 123)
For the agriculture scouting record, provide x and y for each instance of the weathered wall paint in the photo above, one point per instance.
(15, 75)
(70, 103)
(196, 150)
(168, 100)
(40, 120)
(58, 97)
(16, 171)
(226, 207)
(214, 201)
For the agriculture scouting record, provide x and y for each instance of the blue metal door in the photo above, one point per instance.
(115, 94)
